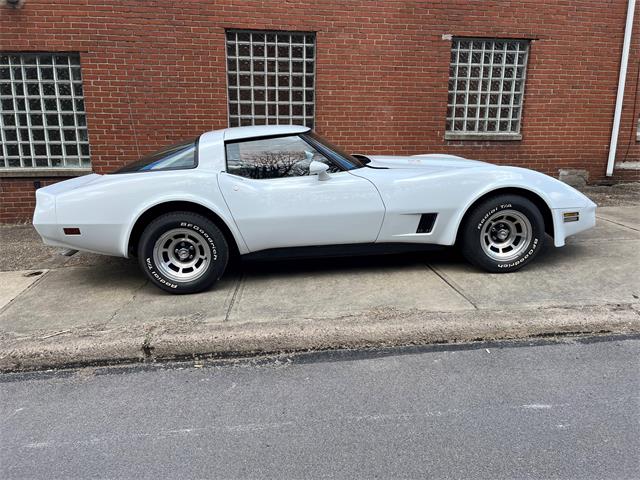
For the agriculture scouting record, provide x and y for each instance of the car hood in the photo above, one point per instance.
(433, 162)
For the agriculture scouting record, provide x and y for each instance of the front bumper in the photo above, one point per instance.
(565, 224)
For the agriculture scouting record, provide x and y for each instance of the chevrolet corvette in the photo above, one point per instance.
(185, 210)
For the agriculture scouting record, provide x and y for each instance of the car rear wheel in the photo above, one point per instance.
(503, 234)
(183, 252)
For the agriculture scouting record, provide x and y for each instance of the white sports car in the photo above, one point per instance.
(186, 209)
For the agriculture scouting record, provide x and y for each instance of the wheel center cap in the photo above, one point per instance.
(502, 234)
(183, 253)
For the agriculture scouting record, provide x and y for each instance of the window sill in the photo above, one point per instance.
(43, 172)
(481, 137)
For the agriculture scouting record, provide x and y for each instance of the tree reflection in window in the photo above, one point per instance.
(273, 158)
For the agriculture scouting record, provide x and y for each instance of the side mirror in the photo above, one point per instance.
(320, 169)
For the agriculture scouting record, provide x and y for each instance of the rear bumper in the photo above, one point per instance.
(45, 218)
(564, 229)
(105, 239)
(102, 239)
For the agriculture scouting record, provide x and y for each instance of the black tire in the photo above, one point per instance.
(200, 235)
(482, 227)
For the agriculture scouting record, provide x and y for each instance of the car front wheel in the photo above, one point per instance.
(503, 234)
(183, 252)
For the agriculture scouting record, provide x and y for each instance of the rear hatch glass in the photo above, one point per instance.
(176, 157)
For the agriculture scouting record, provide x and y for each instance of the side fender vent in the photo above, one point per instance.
(426, 222)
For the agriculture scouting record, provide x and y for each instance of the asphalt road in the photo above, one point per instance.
(568, 410)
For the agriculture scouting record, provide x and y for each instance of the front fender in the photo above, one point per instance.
(558, 197)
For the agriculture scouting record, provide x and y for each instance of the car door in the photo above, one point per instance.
(276, 203)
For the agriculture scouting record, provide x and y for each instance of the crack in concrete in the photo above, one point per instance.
(44, 273)
(125, 304)
(457, 289)
(147, 348)
(234, 296)
(618, 223)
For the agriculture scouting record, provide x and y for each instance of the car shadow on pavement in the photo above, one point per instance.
(97, 271)
(438, 258)
(347, 264)
(446, 257)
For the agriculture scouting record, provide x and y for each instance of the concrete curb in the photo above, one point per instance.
(173, 339)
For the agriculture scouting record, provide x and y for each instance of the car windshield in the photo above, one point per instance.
(175, 157)
(346, 161)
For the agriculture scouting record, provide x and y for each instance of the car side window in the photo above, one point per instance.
(275, 157)
(176, 157)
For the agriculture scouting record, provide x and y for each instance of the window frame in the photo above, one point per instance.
(42, 60)
(323, 150)
(269, 119)
(492, 135)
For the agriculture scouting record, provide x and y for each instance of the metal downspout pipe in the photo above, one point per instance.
(621, 82)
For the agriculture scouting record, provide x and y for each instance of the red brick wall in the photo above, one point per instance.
(154, 73)
(17, 198)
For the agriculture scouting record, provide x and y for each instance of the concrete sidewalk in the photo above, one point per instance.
(86, 308)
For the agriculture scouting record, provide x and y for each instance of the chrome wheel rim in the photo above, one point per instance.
(181, 255)
(505, 235)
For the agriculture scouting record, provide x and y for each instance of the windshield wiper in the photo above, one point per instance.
(365, 160)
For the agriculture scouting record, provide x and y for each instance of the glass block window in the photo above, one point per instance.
(271, 77)
(42, 117)
(486, 86)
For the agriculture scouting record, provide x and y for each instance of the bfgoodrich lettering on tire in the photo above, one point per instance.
(183, 252)
(502, 234)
